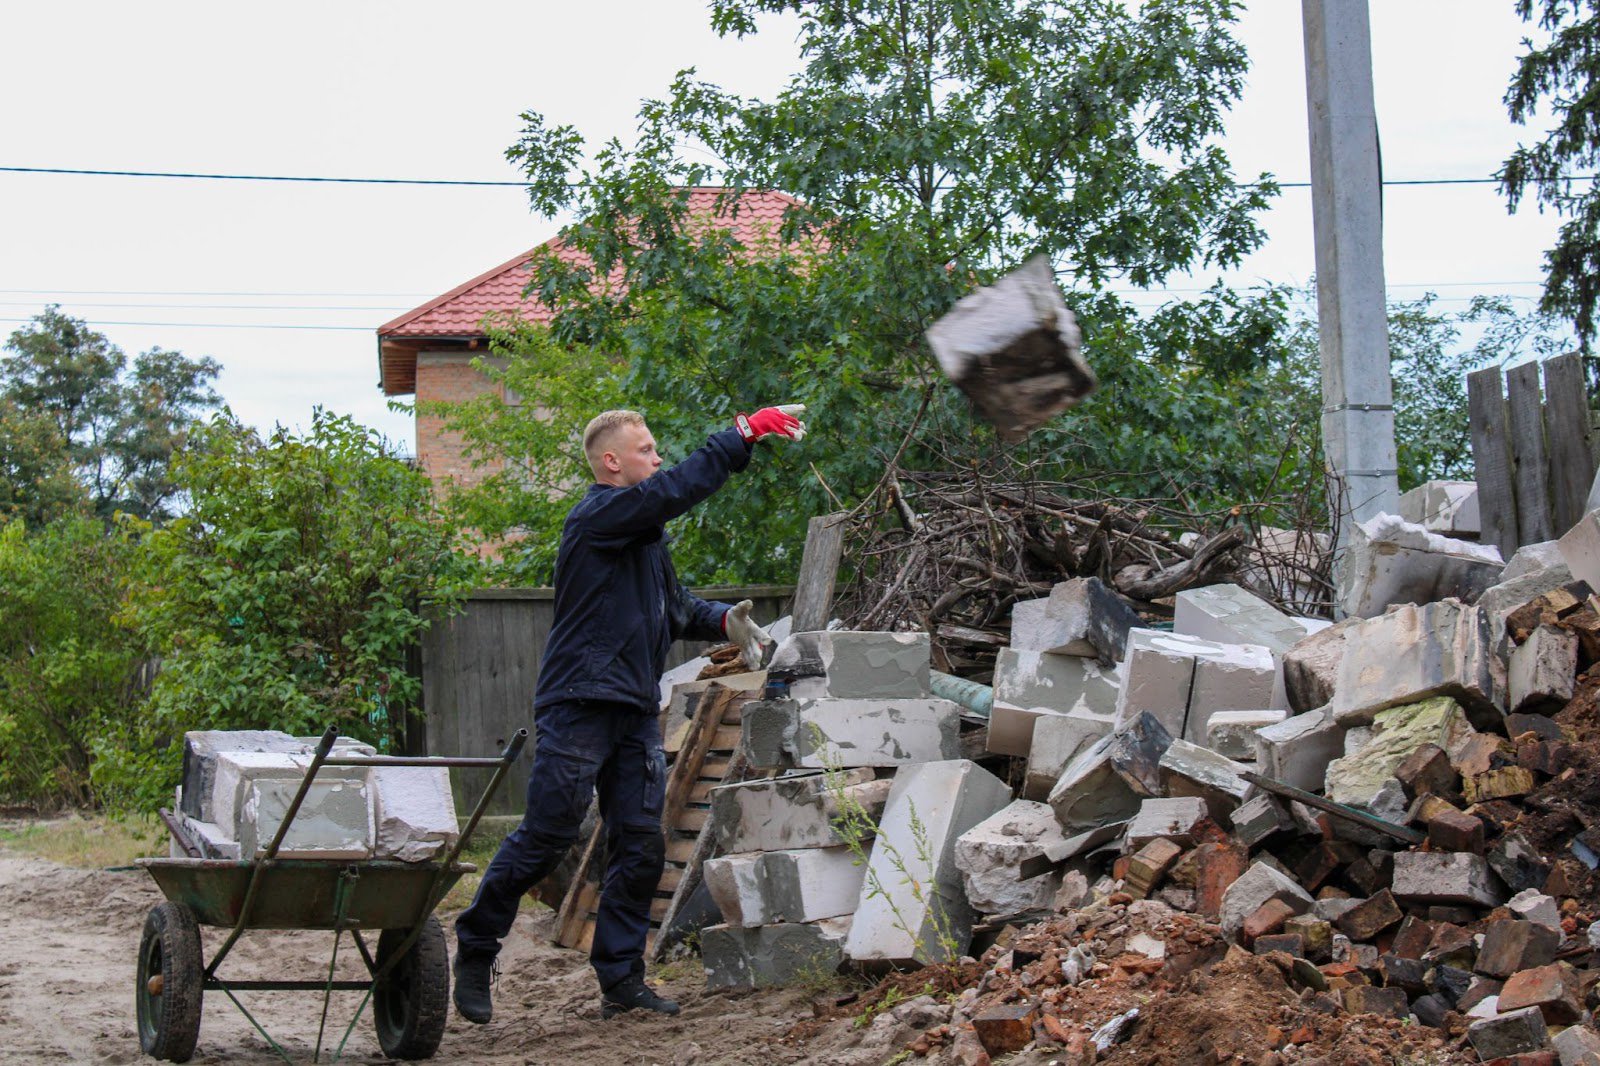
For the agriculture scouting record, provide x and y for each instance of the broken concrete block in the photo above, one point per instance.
(1311, 667)
(1543, 671)
(1508, 1034)
(414, 812)
(1446, 507)
(1229, 614)
(736, 884)
(234, 774)
(1297, 750)
(1233, 733)
(1531, 558)
(1414, 653)
(913, 904)
(1532, 905)
(1500, 601)
(1028, 684)
(1356, 780)
(797, 811)
(334, 820)
(1577, 1045)
(1108, 781)
(825, 732)
(856, 665)
(991, 853)
(772, 955)
(1190, 770)
(1580, 547)
(214, 843)
(1254, 887)
(1080, 617)
(809, 884)
(1174, 819)
(1389, 560)
(1446, 877)
(1258, 818)
(1157, 674)
(201, 748)
(1553, 989)
(1057, 740)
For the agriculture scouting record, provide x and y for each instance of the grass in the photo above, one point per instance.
(91, 841)
(485, 841)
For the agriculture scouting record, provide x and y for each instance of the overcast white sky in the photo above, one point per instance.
(401, 88)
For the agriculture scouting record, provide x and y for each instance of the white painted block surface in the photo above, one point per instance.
(809, 884)
(1233, 733)
(874, 732)
(333, 822)
(415, 812)
(1028, 684)
(735, 884)
(991, 853)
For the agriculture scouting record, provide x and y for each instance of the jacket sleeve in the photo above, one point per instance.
(664, 496)
(697, 619)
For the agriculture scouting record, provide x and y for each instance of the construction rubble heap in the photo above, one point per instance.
(1387, 826)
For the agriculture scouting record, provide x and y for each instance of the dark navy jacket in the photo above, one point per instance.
(619, 606)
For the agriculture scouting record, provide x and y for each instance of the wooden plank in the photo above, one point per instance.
(692, 820)
(1570, 437)
(679, 850)
(1529, 462)
(701, 792)
(658, 909)
(819, 569)
(671, 877)
(715, 767)
(726, 738)
(1491, 455)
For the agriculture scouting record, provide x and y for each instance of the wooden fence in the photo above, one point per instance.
(1534, 453)
(480, 670)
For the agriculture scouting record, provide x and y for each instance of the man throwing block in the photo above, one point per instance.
(618, 608)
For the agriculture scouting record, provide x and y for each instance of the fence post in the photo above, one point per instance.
(1570, 438)
(1497, 507)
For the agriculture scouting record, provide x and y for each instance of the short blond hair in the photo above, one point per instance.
(598, 433)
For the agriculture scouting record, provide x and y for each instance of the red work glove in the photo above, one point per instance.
(768, 421)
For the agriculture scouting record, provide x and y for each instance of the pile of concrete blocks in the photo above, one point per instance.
(1446, 507)
(1389, 560)
(238, 785)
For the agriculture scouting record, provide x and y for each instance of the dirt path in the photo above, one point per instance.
(69, 938)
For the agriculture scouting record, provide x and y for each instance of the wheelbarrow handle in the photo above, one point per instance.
(514, 749)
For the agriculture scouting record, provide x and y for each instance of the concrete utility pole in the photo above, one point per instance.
(1347, 212)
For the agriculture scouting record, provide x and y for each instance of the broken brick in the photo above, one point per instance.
(1369, 917)
(1217, 866)
(1553, 989)
(1368, 999)
(1498, 784)
(1510, 946)
(1427, 770)
(1454, 831)
(1291, 944)
(1412, 938)
(1147, 865)
(1265, 919)
(1005, 1029)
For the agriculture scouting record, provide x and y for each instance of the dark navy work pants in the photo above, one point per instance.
(580, 747)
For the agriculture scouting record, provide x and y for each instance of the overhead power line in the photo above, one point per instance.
(211, 325)
(1387, 182)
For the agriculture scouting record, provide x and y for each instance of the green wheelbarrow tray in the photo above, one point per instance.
(408, 967)
(304, 893)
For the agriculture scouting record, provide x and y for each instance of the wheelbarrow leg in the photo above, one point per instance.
(347, 883)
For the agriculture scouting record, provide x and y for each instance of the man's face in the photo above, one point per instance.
(635, 452)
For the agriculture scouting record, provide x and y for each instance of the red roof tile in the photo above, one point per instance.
(459, 314)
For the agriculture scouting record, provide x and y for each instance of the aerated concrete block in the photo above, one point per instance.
(414, 812)
(1057, 740)
(1446, 877)
(1190, 770)
(209, 837)
(201, 748)
(1297, 750)
(1229, 614)
(892, 923)
(1107, 782)
(1532, 558)
(1498, 602)
(1311, 667)
(827, 732)
(1446, 507)
(1389, 560)
(1182, 679)
(809, 884)
(790, 812)
(856, 665)
(1030, 684)
(334, 820)
(1227, 677)
(1175, 819)
(1358, 780)
(1080, 617)
(737, 886)
(234, 773)
(991, 853)
(1233, 733)
(772, 955)
(1543, 671)
(1414, 653)
(1580, 547)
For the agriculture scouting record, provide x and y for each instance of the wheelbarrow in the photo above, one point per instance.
(408, 971)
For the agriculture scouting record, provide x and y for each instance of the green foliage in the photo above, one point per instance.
(1563, 75)
(928, 146)
(71, 407)
(286, 597)
(67, 672)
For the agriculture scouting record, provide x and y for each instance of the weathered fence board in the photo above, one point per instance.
(480, 671)
(1570, 437)
(1529, 464)
(819, 568)
(1491, 455)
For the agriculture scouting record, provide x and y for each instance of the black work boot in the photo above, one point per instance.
(474, 974)
(631, 993)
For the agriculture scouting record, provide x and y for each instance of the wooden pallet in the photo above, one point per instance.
(708, 756)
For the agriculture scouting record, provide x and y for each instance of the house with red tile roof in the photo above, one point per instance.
(428, 352)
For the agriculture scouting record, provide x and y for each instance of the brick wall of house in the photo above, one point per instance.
(448, 376)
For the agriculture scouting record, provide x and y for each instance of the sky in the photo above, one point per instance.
(285, 283)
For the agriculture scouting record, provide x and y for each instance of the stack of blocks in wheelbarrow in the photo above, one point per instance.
(238, 785)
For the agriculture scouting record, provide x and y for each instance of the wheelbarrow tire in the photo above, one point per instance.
(169, 957)
(411, 1005)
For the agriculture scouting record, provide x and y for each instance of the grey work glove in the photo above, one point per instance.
(753, 641)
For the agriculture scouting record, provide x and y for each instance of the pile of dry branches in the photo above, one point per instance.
(950, 554)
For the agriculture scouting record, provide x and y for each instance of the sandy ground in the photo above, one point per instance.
(69, 940)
